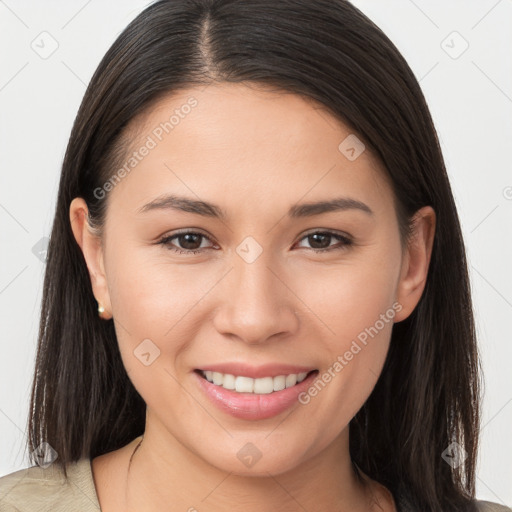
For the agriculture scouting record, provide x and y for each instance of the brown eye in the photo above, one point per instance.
(320, 241)
(188, 241)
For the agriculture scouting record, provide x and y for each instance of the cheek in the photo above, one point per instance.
(352, 361)
(354, 305)
(357, 315)
(346, 299)
(149, 294)
(150, 302)
(159, 308)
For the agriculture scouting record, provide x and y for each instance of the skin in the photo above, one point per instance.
(254, 153)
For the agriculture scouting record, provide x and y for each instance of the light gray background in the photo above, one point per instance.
(470, 97)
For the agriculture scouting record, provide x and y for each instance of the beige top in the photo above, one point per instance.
(38, 489)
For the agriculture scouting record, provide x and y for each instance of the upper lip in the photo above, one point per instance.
(255, 372)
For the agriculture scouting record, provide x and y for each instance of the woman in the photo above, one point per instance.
(256, 291)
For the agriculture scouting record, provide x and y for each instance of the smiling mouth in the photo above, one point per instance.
(259, 386)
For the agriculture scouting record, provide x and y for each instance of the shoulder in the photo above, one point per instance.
(488, 506)
(38, 488)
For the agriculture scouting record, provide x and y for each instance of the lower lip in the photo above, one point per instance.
(250, 406)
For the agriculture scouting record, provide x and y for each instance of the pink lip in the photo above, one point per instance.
(249, 406)
(256, 372)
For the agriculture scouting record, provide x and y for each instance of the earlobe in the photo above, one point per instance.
(90, 244)
(416, 262)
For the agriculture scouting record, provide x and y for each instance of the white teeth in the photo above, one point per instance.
(291, 380)
(261, 386)
(264, 386)
(279, 382)
(244, 384)
(229, 381)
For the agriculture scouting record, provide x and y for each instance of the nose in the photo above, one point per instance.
(255, 303)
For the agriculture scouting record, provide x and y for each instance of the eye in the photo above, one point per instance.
(320, 241)
(189, 241)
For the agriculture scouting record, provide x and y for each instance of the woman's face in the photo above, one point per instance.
(245, 292)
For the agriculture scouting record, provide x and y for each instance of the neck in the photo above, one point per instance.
(162, 474)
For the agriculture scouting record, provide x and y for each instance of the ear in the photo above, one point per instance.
(415, 263)
(90, 244)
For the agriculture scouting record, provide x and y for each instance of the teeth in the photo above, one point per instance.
(260, 386)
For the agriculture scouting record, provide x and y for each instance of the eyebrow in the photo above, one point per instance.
(207, 209)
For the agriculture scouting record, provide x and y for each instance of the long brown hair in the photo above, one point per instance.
(427, 397)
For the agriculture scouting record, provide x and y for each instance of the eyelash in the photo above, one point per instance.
(166, 241)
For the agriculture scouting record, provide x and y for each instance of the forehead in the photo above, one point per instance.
(248, 145)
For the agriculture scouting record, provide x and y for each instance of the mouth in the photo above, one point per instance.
(254, 386)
